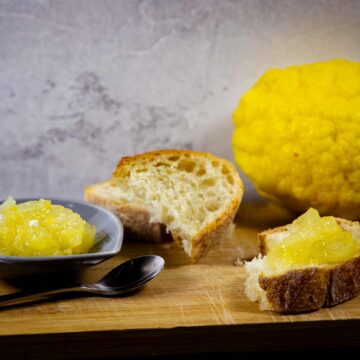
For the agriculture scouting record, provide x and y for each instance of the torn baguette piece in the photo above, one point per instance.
(194, 194)
(300, 273)
(134, 216)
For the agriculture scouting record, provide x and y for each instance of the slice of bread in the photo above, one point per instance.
(194, 194)
(135, 217)
(301, 288)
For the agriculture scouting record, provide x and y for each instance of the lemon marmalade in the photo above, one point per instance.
(40, 228)
(314, 240)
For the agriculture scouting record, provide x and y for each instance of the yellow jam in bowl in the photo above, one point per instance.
(314, 240)
(40, 228)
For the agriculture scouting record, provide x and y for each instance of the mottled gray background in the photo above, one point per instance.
(86, 82)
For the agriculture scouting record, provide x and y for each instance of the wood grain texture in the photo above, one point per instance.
(187, 308)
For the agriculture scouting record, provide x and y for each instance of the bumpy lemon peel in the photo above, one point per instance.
(297, 134)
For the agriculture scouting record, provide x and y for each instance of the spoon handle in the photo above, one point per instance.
(26, 296)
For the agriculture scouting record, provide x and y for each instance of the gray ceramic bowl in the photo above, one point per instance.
(109, 235)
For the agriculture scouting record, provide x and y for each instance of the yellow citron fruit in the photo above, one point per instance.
(297, 136)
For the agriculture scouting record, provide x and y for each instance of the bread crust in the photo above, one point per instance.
(135, 218)
(161, 154)
(313, 287)
(215, 230)
(309, 289)
(212, 233)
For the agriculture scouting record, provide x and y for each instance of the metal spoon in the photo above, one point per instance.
(124, 278)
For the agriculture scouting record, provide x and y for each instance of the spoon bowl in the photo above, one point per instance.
(128, 276)
(123, 279)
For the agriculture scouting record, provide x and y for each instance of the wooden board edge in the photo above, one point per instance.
(183, 340)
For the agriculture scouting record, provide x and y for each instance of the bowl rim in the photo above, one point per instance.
(69, 258)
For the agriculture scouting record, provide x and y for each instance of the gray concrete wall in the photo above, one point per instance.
(83, 83)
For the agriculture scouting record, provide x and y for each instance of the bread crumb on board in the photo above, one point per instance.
(238, 262)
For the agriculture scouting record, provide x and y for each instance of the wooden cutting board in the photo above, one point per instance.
(186, 309)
